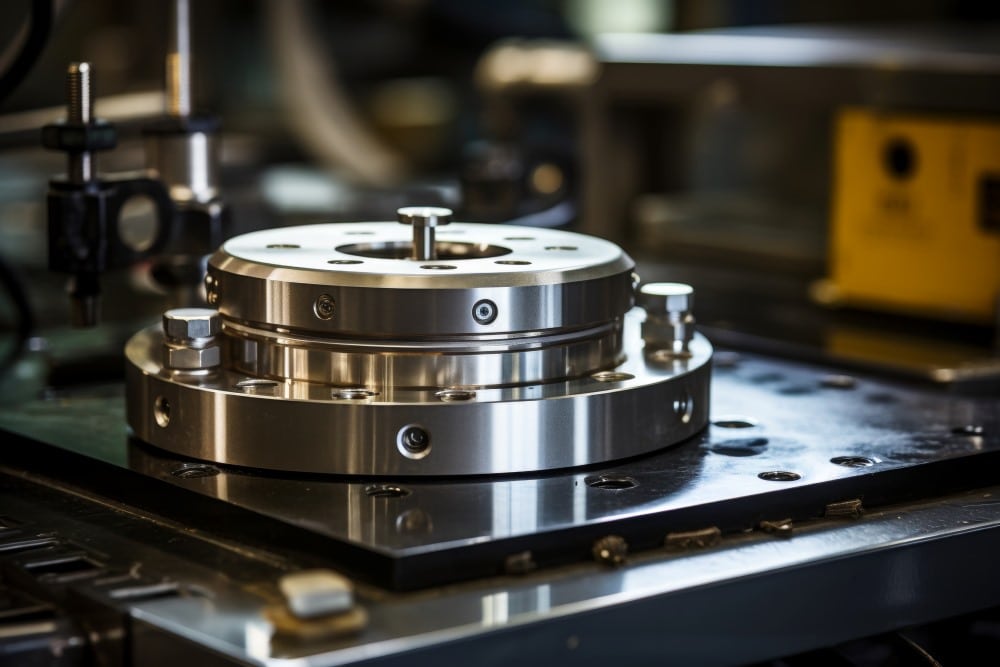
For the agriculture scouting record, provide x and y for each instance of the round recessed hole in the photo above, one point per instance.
(512, 262)
(611, 482)
(684, 408)
(359, 233)
(740, 447)
(438, 267)
(484, 311)
(838, 382)
(194, 471)
(796, 390)
(566, 248)
(324, 307)
(899, 157)
(345, 261)
(734, 422)
(257, 386)
(767, 378)
(780, 476)
(413, 441)
(386, 491)
(161, 411)
(284, 246)
(446, 251)
(612, 376)
(968, 429)
(519, 238)
(353, 393)
(455, 395)
(853, 461)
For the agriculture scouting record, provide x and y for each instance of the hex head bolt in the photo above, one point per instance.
(669, 322)
(190, 339)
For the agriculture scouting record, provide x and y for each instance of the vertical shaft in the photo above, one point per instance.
(179, 62)
(424, 220)
(79, 110)
(423, 243)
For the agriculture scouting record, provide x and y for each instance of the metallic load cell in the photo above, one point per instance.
(515, 350)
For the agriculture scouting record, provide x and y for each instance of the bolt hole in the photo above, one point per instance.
(194, 471)
(161, 411)
(611, 376)
(519, 238)
(611, 482)
(968, 429)
(561, 247)
(779, 476)
(283, 245)
(734, 422)
(512, 262)
(454, 395)
(853, 461)
(838, 382)
(438, 267)
(413, 441)
(345, 261)
(684, 408)
(385, 491)
(359, 233)
(354, 393)
(257, 386)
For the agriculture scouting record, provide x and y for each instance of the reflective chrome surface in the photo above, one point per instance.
(494, 362)
(643, 406)
(549, 280)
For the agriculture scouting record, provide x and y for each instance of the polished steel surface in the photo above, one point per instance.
(645, 404)
(756, 591)
(495, 362)
(549, 280)
(837, 439)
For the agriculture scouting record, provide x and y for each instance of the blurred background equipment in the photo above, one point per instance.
(364, 442)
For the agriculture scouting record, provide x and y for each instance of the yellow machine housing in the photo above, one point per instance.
(916, 214)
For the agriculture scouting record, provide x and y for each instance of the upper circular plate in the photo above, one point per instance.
(356, 279)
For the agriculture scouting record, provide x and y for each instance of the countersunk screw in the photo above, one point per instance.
(484, 311)
(610, 550)
(324, 307)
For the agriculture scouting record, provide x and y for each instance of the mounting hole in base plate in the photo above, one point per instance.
(611, 482)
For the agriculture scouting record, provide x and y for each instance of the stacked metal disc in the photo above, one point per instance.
(434, 349)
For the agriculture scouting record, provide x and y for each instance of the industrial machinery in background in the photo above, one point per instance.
(389, 435)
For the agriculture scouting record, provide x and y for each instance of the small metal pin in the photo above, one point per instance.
(424, 220)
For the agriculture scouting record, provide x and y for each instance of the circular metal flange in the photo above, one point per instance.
(643, 404)
(355, 280)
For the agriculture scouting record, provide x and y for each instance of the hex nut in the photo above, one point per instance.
(79, 137)
(182, 357)
(663, 298)
(191, 323)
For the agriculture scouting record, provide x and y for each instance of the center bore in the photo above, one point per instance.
(446, 250)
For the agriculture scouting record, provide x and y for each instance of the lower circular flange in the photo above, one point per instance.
(650, 401)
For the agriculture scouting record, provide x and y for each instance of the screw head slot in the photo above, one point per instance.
(413, 441)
